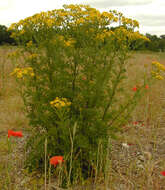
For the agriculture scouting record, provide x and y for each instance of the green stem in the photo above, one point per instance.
(9, 163)
(45, 160)
(113, 93)
(124, 108)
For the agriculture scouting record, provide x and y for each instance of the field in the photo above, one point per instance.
(137, 157)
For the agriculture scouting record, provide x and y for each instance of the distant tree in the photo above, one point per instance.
(162, 36)
(5, 35)
(153, 44)
(162, 43)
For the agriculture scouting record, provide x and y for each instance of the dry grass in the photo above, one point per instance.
(135, 166)
(11, 105)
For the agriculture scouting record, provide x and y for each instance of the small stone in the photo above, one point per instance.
(148, 155)
(140, 166)
(125, 145)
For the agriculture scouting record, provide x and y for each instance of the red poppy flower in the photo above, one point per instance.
(55, 160)
(135, 123)
(130, 144)
(134, 88)
(163, 173)
(14, 133)
(146, 86)
(84, 78)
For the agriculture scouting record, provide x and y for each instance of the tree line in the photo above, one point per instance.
(5, 36)
(155, 44)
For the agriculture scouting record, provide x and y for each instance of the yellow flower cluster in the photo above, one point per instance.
(60, 39)
(70, 42)
(159, 77)
(50, 23)
(136, 36)
(104, 35)
(60, 102)
(21, 72)
(157, 68)
(32, 56)
(158, 65)
(122, 34)
(80, 21)
(107, 15)
(156, 75)
(14, 54)
(29, 44)
(73, 17)
(130, 22)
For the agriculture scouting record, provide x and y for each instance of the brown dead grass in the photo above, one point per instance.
(11, 105)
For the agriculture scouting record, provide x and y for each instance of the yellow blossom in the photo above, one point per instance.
(72, 16)
(159, 77)
(29, 44)
(70, 42)
(32, 56)
(50, 22)
(22, 31)
(60, 102)
(21, 72)
(80, 21)
(14, 54)
(158, 65)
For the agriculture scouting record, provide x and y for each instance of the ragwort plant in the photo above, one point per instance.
(75, 67)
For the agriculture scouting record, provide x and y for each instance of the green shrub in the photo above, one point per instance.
(73, 54)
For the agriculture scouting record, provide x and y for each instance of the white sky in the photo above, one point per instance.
(149, 13)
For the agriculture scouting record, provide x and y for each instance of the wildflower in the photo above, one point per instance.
(14, 54)
(55, 160)
(146, 86)
(135, 123)
(84, 78)
(158, 65)
(145, 65)
(21, 72)
(80, 21)
(14, 133)
(22, 31)
(130, 144)
(159, 77)
(32, 74)
(134, 88)
(29, 44)
(49, 22)
(138, 123)
(32, 56)
(162, 173)
(60, 102)
(70, 42)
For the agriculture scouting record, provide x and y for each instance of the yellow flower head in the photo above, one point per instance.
(158, 65)
(29, 44)
(60, 102)
(22, 72)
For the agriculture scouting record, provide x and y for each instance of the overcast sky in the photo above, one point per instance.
(149, 13)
